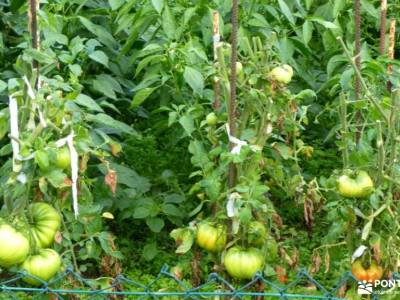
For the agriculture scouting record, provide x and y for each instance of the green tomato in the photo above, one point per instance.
(43, 265)
(14, 246)
(63, 160)
(42, 159)
(243, 263)
(281, 74)
(257, 233)
(288, 69)
(46, 222)
(211, 238)
(355, 185)
(211, 119)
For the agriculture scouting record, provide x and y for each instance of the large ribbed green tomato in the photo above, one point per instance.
(243, 263)
(43, 265)
(14, 246)
(46, 222)
(355, 184)
(211, 238)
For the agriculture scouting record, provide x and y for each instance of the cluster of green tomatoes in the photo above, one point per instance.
(239, 262)
(25, 244)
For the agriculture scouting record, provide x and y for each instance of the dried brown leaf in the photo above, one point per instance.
(111, 180)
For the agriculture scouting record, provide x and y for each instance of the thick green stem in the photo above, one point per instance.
(393, 132)
(368, 94)
(343, 121)
(381, 151)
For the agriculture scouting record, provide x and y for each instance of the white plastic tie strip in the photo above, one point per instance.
(13, 106)
(69, 141)
(358, 253)
(231, 210)
(22, 178)
(239, 143)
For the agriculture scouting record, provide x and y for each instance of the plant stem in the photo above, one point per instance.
(357, 55)
(343, 121)
(71, 245)
(363, 84)
(393, 132)
(381, 151)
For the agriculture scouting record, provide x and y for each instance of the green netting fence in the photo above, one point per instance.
(71, 285)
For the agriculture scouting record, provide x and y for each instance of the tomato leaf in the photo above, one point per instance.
(194, 79)
(141, 96)
(155, 224)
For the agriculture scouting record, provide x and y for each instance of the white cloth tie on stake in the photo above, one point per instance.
(230, 205)
(69, 140)
(13, 107)
(239, 143)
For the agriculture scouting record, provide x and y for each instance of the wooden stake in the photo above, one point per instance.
(216, 44)
(33, 28)
(232, 102)
(392, 40)
(383, 26)
(357, 54)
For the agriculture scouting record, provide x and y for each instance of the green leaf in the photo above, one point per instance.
(142, 95)
(307, 31)
(75, 69)
(145, 61)
(103, 35)
(3, 85)
(338, 6)
(141, 212)
(187, 123)
(110, 122)
(158, 5)
(115, 4)
(39, 56)
(107, 85)
(184, 238)
(194, 79)
(324, 23)
(171, 210)
(150, 251)
(88, 102)
(168, 22)
(286, 11)
(56, 178)
(100, 57)
(155, 224)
